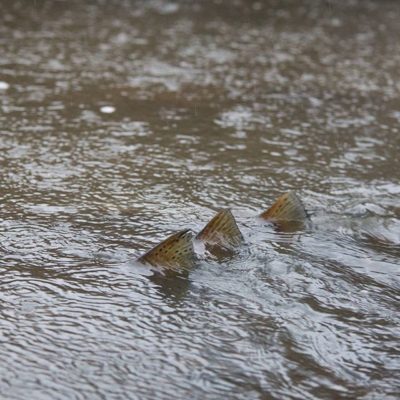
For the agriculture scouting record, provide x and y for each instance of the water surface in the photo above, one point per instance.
(121, 122)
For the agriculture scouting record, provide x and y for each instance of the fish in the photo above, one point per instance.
(222, 230)
(287, 214)
(177, 252)
(287, 207)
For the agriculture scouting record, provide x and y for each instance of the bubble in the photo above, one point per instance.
(4, 85)
(107, 109)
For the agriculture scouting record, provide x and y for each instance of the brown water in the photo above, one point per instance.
(122, 122)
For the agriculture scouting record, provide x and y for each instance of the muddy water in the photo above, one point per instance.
(122, 122)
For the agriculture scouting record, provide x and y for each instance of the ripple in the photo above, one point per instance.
(123, 133)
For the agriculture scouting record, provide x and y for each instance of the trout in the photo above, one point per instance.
(177, 251)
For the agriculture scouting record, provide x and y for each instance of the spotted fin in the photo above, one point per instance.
(175, 252)
(221, 230)
(288, 207)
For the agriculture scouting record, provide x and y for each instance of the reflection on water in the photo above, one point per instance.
(124, 121)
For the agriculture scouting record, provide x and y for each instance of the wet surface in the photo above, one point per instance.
(122, 122)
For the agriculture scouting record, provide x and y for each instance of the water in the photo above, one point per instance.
(122, 122)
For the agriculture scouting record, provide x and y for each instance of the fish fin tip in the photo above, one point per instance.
(287, 207)
(176, 251)
(221, 230)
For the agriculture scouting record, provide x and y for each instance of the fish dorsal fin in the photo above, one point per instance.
(221, 230)
(174, 252)
(288, 207)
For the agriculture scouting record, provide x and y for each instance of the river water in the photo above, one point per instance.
(121, 122)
